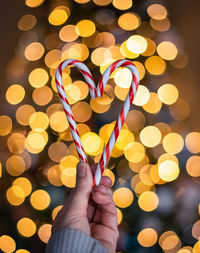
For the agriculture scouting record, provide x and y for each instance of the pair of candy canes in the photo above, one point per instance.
(97, 92)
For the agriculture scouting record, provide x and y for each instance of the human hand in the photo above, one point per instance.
(90, 210)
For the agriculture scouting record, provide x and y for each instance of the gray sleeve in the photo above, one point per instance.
(73, 241)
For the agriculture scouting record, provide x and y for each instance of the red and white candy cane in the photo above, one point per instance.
(97, 92)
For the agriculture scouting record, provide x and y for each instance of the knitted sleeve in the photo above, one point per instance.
(73, 241)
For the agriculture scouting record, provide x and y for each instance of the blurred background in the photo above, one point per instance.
(155, 164)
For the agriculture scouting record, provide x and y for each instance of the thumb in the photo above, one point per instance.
(84, 185)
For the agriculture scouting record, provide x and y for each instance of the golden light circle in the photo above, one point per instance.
(15, 94)
(39, 121)
(119, 216)
(54, 174)
(34, 51)
(168, 170)
(142, 96)
(56, 211)
(58, 17)
(134, 152)
(140, 68)
(38, 77)
(151, 48)
(15, 165)
(147, 237)
(173, 143)
(42, 96)
(126, 52)
(123, 77)
(7, 244)
(15, 195)
(136, 44)
(125, 137)
(122, 4)
(92, 143)
(167, 50)
(196, 248)
(102, 2)
(168, 94)
(150, 136)
(157, 11)
(44, 232)
(57, 150)
(26, 227)
(155, 65)
(193, 166)
(23, 114)
(123, 197)
(129, 21)
(154, 104)
(16, 143)
(135, 120)
(58, 121)
(24, 183)
(167, 156)
(40, 199)
(27, 22)
(5, 125)
(33, 3)
(22, 251)
(85, 28)
(82, 111)
(99, 55)
(192, 142)
(148, 201)
(36, 141)
(68, 33)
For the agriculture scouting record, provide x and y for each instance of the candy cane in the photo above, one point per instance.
(97, 92)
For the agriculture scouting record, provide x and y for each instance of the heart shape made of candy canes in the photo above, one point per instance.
(97, 92)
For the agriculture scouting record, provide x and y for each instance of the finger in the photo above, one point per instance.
(106, 181)
(104, 199)
(80, 195)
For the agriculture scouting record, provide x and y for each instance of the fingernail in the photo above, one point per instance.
(81, 171)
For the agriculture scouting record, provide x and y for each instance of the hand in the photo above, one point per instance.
(90, 210)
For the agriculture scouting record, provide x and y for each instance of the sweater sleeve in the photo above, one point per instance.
(73, 241)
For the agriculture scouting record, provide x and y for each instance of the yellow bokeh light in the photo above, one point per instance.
(39, 121)
(15, 94)
(122, 4)
(55, 211)
(173, 143)
(68, 33)
(127, 53)
(119, 216)
(33, 3)
(54, 174)
(167, 156)
(167, 50)
(125, 137)
(5, 125)
(22, 251)
(34, 51)
(192, 142)
(123, 77)
(24, 183)
(7, 244)
(42, 96)
(169, 241)
(110, 174)
(92, 143)
(38, 77)
(77, 51)
(168, 94)
(147, 237)
(155, 65)
(58, 121)
(193, 166)
(85, 28)
(140, 68)
(58, 16)
(196, 248)
(148, 201)
(26, 227)
(15, 165)
(151, 48)
(123, 197)
(157, 11)
(134, 152)
(136, 44)
(23, 114)
(57, 150)
(129, 21)
(16, 143)
(142, 96)
(40, 199)
(186, 249)
(69, 162)
(168, 170)
(36, 141)
(99, 55)
(102, 2)
(150, 136)
(15, 195)
(154, 104)
(53, 58)
(82, 111)
(27, 22)
(44, 232)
